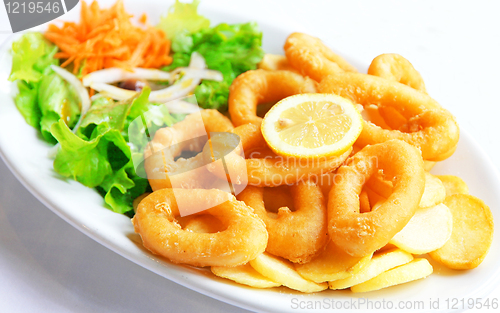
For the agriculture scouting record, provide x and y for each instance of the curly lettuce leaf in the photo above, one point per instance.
(183, 42)
(182, 18)
(103, 162)
(100, 156)
(56, 100)
(120, 189)
(84, 161)
(158, 116)
(241, 44)
(32, 54)
(230, 49)
(116, 114)
(27, 104)
(41, 97)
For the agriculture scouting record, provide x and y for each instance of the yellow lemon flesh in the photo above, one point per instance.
(312, 125)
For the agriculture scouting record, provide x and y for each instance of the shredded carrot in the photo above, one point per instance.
(143, 19)
(107, 38)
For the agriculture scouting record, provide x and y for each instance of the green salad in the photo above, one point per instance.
(91, 142)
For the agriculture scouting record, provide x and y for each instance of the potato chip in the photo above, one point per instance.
(428, 165)
(244, 274)
(283, 272)
(429, 229)
(332, 264)
(380, 263)
(453, 184)
(471, 236)
(434, 192)
(416, 269)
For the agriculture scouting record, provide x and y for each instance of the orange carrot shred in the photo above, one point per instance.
(143, 19)
(107, 38)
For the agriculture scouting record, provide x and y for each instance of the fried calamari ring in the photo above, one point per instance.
(360, 234)
(311, 57)
(395, 67)
(277, 197)
(244, 238)
(190, 134)
(275, 62)
(200, 223)
(256, 87)
(429, 127)
(269, 170)
(444, 156)
(294, 235)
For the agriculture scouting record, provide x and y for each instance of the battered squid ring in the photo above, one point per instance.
(360, 234)
(269, 169)
(244, 238)
(429, 127)
(311, 57)
(256, 87)
(298, 235)
(275, 62)
(188, 135)
(395, 67)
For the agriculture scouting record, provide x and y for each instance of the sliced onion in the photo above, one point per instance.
(197, 61)
(113, 92)
(191, 78)
(181, 107)
(204, 74)
(82, 93)
(77, 84)
(115, 74)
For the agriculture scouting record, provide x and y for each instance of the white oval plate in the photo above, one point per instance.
(26, 155)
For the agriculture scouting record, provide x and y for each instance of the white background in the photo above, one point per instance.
(48, 266)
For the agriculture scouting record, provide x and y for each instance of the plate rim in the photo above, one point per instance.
(156, 266)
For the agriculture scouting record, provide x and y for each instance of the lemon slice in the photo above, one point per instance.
(312, 125)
